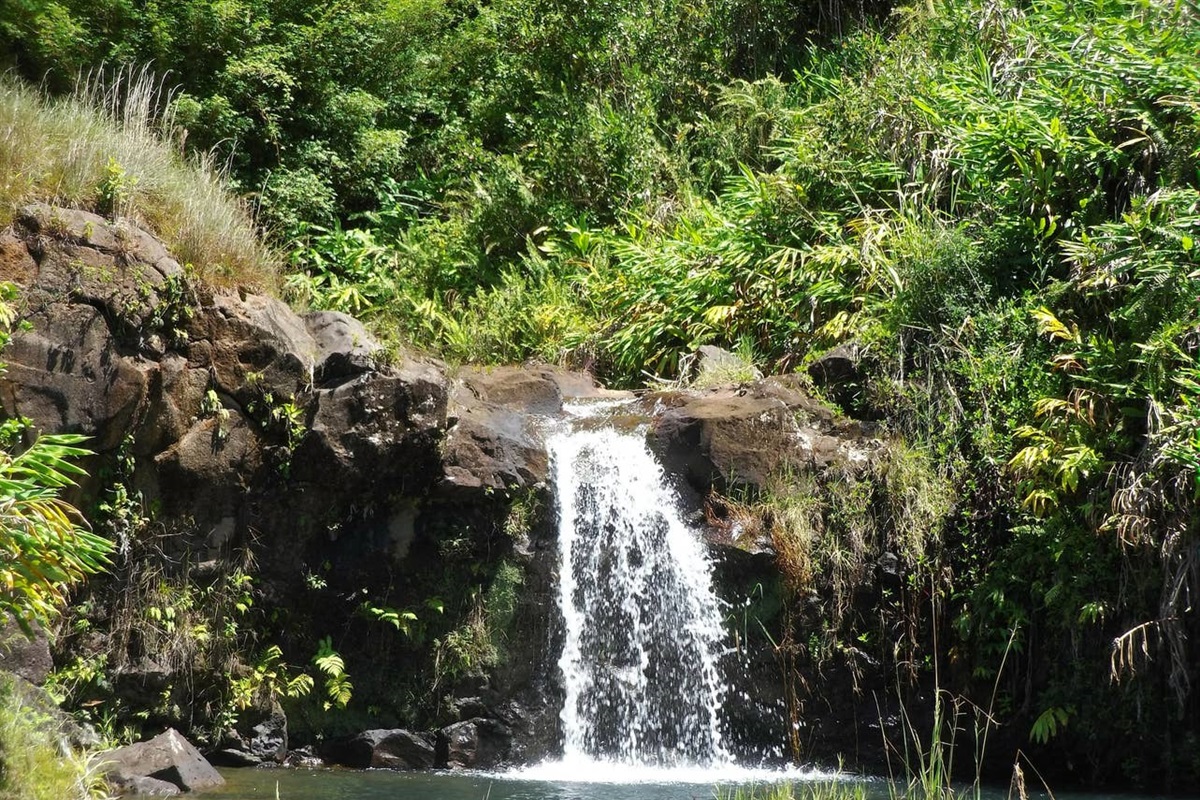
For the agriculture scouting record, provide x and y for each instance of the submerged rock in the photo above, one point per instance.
(146, 787)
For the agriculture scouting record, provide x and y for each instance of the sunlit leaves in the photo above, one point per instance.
(45, 546)
(338, 689)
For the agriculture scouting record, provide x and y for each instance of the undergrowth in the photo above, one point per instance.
(35, 762)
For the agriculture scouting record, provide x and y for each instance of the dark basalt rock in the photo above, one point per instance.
(344, 346)
(167, 757)
(387, 749)
(474, 744)
(737, 437)
(260, 737)
(25, 656)
(494, 442)
(836, 368)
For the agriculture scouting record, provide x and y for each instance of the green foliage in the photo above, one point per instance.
(45, 547)
(338, 688)
(115, 189)
(479, 643)
(996, 202)
(269, 679)
(846, 789)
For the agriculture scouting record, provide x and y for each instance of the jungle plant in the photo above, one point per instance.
(45, 546)
(269, 679)
(479, 643)
(338, 688)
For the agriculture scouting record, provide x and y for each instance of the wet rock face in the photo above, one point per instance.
(494, 441)
(474, 744)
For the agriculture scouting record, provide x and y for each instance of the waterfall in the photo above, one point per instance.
(643, 626)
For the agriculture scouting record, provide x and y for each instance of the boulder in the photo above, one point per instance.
(252, 346)
(167, 757)
(838, 375)
(385, 749)
(715, 366)
(835, 368)
(377, 429)
(261, 736)
(205, 474)
(267, 739)
(474, 744)
(115, 267)
(344, 346)
(495, 440)
(84, 229)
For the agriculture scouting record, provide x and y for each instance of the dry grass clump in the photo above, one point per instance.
(114, 149)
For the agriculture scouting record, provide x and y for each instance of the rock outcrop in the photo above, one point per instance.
(26, 656)
(387, 749)
(474, 744)
(495, 442)
(740, 437)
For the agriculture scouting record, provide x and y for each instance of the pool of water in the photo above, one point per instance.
(303, 784)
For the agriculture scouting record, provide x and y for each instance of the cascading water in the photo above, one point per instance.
(643, 632)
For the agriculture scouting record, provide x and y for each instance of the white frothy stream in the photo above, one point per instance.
(643, 625)
(643, 630)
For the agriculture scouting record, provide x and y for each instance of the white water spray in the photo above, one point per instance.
(643, 631)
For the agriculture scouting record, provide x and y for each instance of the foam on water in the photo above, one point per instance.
(600, 771)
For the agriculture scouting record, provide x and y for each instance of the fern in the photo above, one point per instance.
(338, 689)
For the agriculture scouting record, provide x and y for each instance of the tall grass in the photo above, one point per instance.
(33, 762)
(113, 148)
(817, 790)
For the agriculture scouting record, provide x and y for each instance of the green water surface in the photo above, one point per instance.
(303, 784)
